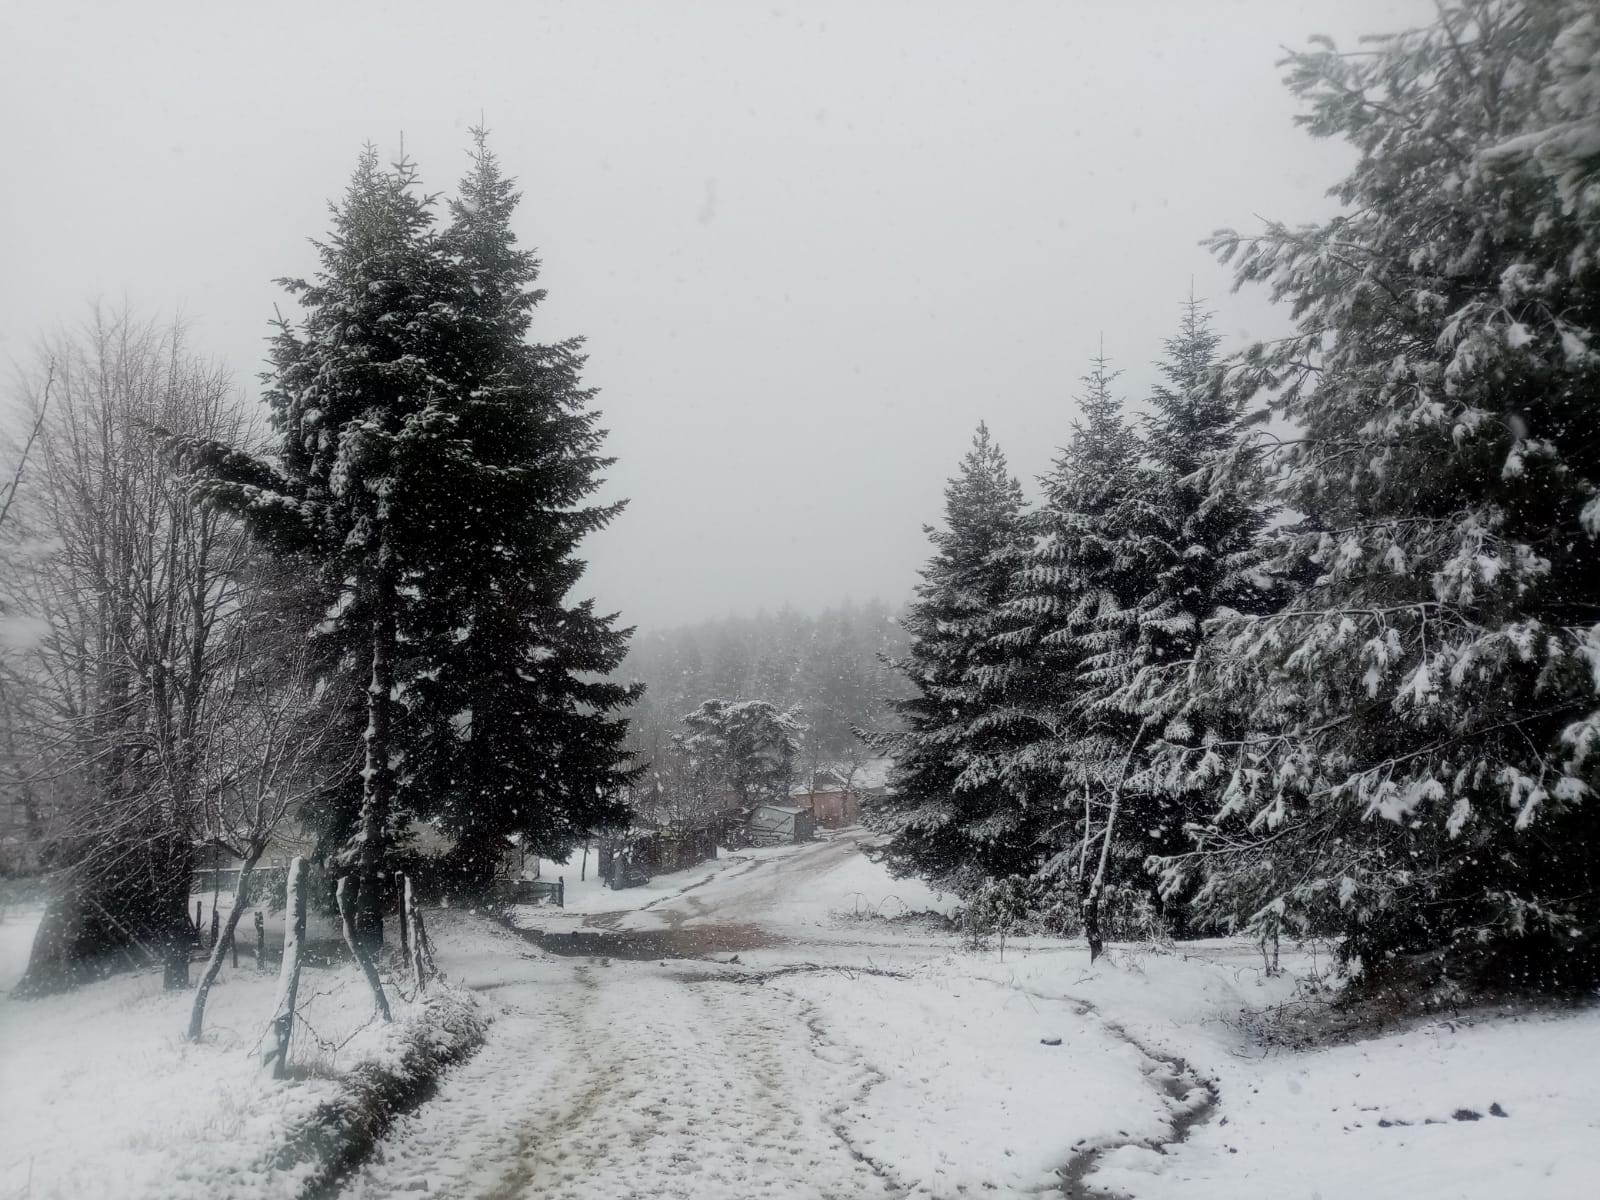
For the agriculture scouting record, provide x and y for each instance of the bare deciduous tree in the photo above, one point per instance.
(268, 748)
(133, 597)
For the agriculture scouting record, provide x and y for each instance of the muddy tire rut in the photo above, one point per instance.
(1192, 1101)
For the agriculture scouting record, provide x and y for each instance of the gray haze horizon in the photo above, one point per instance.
(811, 245)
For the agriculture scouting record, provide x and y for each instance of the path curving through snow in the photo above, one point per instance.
(636, 1084)
(805, 1053)
(613, 1074)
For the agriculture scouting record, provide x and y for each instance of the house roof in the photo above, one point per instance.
(869, 776)
(873, 774)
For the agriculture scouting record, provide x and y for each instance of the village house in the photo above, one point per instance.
(833, 794)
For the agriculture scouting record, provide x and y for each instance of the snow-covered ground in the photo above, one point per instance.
(1498, 1109)
(857, 884)
(101, 1095)
(828, 1051)
(773, 1025)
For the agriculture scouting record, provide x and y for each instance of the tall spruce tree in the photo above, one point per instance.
(1069, 576)
(430, 475)
(516, 724)
(360, 403)
(1427, 715)
(1193, 539)
(949, 818)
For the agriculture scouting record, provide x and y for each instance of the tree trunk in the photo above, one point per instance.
(359, 949)
(1269, 946)
(1091, 907)
(377, 789)
(403, 888)
(289, 972)
(1091, 923)
(241, 895)
(1083, 850)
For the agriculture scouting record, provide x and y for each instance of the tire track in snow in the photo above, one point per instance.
(1191, 1099)
(646, 1087)
(871, 1078)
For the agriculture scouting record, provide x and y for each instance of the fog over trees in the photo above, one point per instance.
(1254, 707)
(831, 675)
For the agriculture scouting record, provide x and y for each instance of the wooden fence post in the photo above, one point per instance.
(289, 973)
(419, 963)
(561, 891)
(403, 888)
(359, 948)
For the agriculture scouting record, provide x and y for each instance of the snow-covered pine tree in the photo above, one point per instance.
(945, 823)
(1194, 551)
(1068, 575)
(1565, 136)
(513, 725)
(748, 746)
(356, 396)
(431, 474)
(1423, 779)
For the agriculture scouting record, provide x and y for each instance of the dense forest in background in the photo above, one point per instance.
(833, 673)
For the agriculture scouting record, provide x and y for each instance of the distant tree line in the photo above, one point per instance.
(827, 680)
(1312, 643)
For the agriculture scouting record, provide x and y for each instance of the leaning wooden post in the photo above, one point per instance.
(363, 956)
(408, 905)
(403, 886)
(420, 939)
(289, 973)
(261, 942)
(561, 891)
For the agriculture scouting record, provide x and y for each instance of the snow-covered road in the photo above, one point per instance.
(757, 1028)
(637, 1084)
(638, 1057)
(612, 1077)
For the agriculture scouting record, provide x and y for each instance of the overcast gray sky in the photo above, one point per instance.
(811, 245)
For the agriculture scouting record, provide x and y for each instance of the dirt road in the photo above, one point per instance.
(615, 1072)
